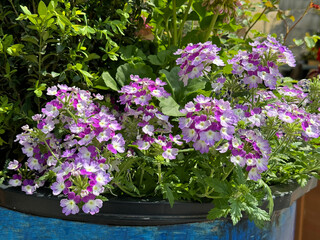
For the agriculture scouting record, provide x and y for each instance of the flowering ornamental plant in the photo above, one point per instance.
(227, 142)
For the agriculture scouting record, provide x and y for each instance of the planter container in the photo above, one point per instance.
(39, 216)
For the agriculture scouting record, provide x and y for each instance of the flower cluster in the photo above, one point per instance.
(144, 124)
(260, 65)
(73, 139)
(196, 60)
(252, 150)
(207, 121)
(293, 116)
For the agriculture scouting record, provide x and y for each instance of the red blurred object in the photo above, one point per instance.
(316, 6)
(318, 55)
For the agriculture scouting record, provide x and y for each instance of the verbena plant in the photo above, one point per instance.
(219, 124)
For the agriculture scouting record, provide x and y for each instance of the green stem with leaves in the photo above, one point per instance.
(211, 27)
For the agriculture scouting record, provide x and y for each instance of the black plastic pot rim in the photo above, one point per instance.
(132, 212)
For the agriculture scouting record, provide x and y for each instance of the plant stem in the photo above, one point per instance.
(159, 173)
(286, 140)
(295, 24)
(127, 192)
(186, 150)
(174, 12)
(211, 27)
(228, 173)
(184, 20)
(14, 8)
(264, 10)
(141, 177)
(47, 145)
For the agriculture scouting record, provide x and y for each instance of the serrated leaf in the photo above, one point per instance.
(240, 177)
(215, 213)
(219, 186)
(235, 210)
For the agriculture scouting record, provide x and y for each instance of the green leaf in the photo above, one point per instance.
(235, 211)
(91, 56)
(109, 81)
(215, 213)
(64, 20)
(161, 58)
(227, 69)
(168, 193)
(194, 85)
(309, 42)
(219, 186)
(25, 10)
(42, 9)
(47, 176)
(39, 90)
(15, 50)
(170, 107)
(269, 196)
(55, 74)
(240, 177)
(131, 53)
(262, 18)
(31, 39)
(194, 36)
(124, 71)
(298, 42)
(174, 83)
(200, 10)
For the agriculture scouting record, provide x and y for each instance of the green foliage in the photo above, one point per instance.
(44, 43)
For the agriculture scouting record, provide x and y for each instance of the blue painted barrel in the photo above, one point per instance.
(39, 216)
(16, 225)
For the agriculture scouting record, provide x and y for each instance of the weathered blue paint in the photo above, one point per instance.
(15, 225)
